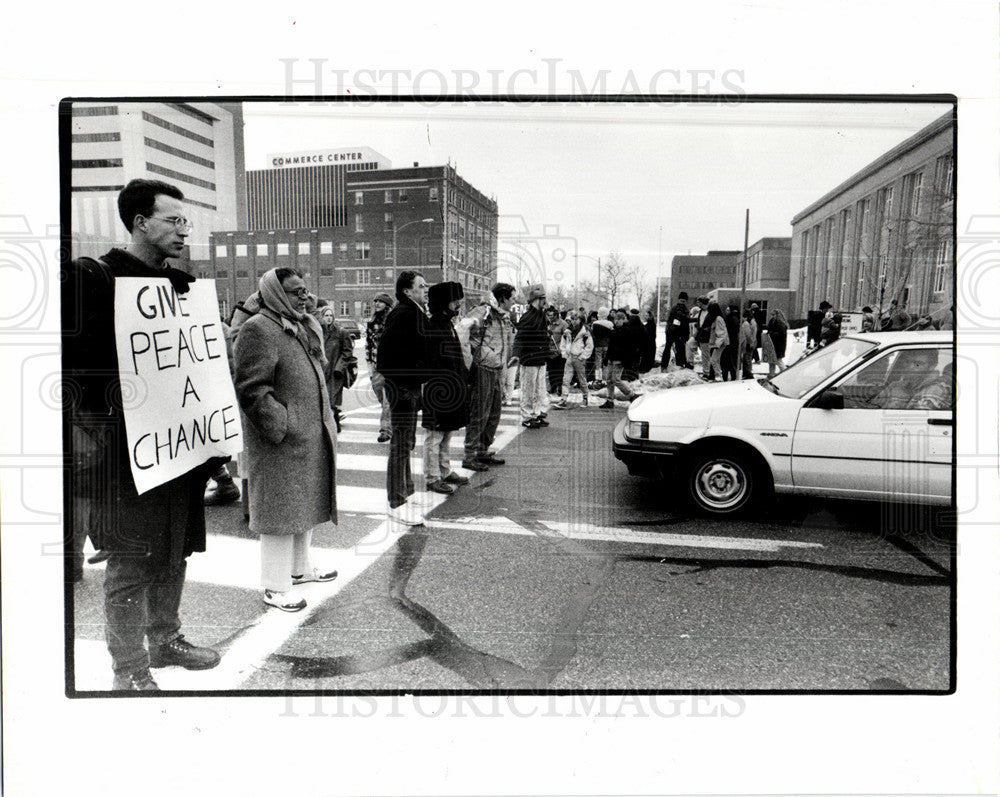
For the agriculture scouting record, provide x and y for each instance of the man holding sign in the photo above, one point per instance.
(151, 412)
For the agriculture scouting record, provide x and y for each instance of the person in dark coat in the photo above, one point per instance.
(533, 348)
(373, 334)
(401, 360)
(638, 333)
(445, 404)
(678, 331)
(290, 435)
(775, 342)
(146, 537)
(730, 359)
(341, 368)
(648, 358)
(620, 351)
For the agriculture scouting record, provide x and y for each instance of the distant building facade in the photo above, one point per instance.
(384, 221)
(769, 262)
(696, 275)
(885, 233)
(197, 146)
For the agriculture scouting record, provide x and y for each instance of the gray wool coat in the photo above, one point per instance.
(289, 431)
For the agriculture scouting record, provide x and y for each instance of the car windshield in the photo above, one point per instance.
(807, 373)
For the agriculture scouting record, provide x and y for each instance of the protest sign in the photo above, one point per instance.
(178, 396)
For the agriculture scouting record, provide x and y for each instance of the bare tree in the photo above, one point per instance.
(591, 297)
(615, 278)
(637, 279)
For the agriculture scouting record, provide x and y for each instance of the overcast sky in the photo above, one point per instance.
(610, 176)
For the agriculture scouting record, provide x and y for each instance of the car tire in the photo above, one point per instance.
(723, 480)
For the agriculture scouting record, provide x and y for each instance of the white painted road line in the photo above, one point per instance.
(583, 531)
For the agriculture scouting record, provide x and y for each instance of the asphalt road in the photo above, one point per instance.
(559, 571)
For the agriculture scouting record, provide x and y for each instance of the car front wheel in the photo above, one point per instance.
(722, 482)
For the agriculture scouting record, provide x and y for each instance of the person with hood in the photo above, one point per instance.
(718, 339)
(444, 403)
(401, 359)
(373, 334)
(601, 329)
(620, 351)
(533, 347)
(576, 346)
(289, 435)
(341, 368)
(491, 341)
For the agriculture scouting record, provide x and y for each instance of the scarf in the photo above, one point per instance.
(303, 325)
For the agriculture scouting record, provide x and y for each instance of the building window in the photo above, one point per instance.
(944, 177)
(220, 250)
(366, 308)
(388, 273)
(326, 272)
(261, 250)
(388, 221)
(433, 194)
(359, 197)
(914, 181)
(943, 266)
(326, 247)
(388, 197)
(862, 268)
(402, 195)
(345, 308)
(342, 252)
(359, 223)
(886, 205)
(241, 250)
(364, 276)
(303, 247)
(362, 250)
(282, 249)
(388, 251)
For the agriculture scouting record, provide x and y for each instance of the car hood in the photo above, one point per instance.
(745, 403)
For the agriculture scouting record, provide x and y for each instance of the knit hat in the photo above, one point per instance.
(385, 298)
(440, 295)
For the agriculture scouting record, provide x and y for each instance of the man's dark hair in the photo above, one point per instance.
(138, 197)
(502, 291)
(404, 282)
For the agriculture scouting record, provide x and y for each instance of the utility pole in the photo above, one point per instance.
(659, 275)
(743, 274)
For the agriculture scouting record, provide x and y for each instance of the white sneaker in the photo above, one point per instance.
(408, 514)
(284, 601)
(316, 574)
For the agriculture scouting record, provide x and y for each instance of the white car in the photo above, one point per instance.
(870, 416)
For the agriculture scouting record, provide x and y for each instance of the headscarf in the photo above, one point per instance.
(303, 325)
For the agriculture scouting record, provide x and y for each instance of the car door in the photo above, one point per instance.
(892, 438)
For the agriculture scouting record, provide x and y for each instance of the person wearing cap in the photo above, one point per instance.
(678, 323)
(444, 403)
(373, 334)
(532, 347)
(491, 342)
(401, 359)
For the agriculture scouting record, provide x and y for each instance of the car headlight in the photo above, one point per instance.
(638, 430)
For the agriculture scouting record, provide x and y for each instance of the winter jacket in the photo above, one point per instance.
(678, 321)
(718, 335)
(532, 344)
(401, 351)
(622, 348)
(491, 340)
(778, 332)
(556, 329)
(445, 400)
(579, 346)
(747, 340)
(373, 334)
(602, 329)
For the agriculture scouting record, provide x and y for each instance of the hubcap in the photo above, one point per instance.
(721, 484)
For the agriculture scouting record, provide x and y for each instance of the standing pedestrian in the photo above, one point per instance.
(491, 341)
(601, 329)
(373, 334)
(747, 341)
(718, 339)
(648, 358)
(620, 351)
(341, 369)
(147, 537)
(445, 400)
(402, 361)
(730, 358)
(576, 346)
(290, 435)
(638, 332)
(532, 347)
(775, 342)
(678, 332)
(556, 363)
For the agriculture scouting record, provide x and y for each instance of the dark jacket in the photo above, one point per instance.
(373, 335)
(778, 332)
(532, 344)
(401, 351)
(622, 348)
(341, 369)
(679, 330)
(170, 517)
(445, 404)
(648, 359)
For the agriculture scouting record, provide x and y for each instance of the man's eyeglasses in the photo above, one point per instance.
(179, 222)
(302, 293)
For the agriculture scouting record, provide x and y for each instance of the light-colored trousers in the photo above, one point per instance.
(437, 463)
(534, 391)
(281, 556)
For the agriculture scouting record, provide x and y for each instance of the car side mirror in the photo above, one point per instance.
(830, 399)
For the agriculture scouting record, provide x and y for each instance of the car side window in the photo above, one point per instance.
(907, 379)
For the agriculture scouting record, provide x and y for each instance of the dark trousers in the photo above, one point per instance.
(404, 404)
(555, 367)
(142, 598)
(728, 363)
(679, 346)
(485, 396)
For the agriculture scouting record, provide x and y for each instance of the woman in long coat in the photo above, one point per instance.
(774, 345)
(289, 434)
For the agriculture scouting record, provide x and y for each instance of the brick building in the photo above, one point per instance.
(698, 274)
(885, 233)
